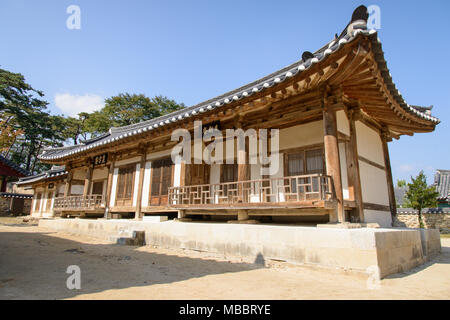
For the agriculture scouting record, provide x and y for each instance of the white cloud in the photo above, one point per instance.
(73, 104)
(406, 168)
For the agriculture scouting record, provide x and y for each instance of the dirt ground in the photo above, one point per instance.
(33, 264)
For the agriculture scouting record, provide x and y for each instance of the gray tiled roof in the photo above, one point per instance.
(15, 195)
(54, 172)
(425, 210)
(442, 182)
(14, 166)
(262, 84)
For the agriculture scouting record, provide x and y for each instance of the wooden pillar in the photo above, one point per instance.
(387, 168)
(354, 179)
(88, 181)
(138, 214)
(332, 160)
(3, 184)
(109, 188)
(68, 183)
(242, 215)
(243, 165)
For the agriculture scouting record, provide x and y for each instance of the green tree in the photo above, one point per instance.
(401, 183)
(125, 109)
(419, 195)
(22, 108)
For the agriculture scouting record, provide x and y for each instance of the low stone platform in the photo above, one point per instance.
(380, 252)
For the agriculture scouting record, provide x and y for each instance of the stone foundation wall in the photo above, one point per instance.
(378, 252)
(431, 218)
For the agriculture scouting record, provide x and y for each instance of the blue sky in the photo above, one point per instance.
(192, 50)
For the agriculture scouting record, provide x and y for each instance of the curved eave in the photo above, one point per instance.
(353, 63)
(372, 86)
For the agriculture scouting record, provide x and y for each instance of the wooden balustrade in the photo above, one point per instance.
(88, 202)
(292, 190)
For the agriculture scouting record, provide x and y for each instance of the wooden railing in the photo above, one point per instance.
(90, 202)
(295, 189)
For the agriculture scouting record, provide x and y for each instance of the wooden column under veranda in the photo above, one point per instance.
(88, 180)
(387, 168)
(109, 187)
(138, 214)
(354, 178)
(332, 160)
(243, 173)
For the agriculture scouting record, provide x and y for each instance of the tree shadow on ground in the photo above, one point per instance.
(33, 265)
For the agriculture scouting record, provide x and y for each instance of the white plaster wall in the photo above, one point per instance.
(383, 218)
(342, 122)
(214, 176)
(127, 161)
(369, 143)
(255, 174)
(146, 186)
(79, 174)
(61, 188)
(177, 175)
(344, 174)
(77, 189)
(136, 184)
(373, 184)
(114, 187)
(44, 205)
(41, 202)
(301, 135)
(157, 155)
(100, 173)
(279, 174)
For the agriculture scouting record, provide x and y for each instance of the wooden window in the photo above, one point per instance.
(97, 187)
(304, 161)
(125, 185)
(315, 161)
(161, 180)
(49, 201)
(229, 173)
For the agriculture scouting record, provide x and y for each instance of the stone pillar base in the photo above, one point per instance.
(348, 225)
(182, 219)
(243, 221)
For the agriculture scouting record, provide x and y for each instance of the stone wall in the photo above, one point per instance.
(432, 218)
(378, 252)
(4, 205)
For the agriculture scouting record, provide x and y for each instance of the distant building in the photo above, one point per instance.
(442, 183)
(9, 172)
(13, 200)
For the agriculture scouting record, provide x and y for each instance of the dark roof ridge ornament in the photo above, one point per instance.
(359, 20)
(307, 55)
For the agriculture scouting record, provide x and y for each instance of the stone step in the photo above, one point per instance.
(137, 238)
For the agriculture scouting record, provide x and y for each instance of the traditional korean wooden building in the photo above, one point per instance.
(337, 109)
